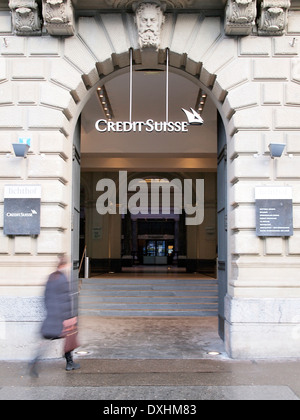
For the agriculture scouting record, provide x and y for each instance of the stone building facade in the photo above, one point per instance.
(243, 53)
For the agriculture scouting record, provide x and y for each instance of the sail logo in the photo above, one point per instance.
(193, 117)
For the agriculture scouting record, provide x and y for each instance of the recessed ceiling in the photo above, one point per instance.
(149, 102)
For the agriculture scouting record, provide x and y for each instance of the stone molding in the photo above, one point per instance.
(59, 17)
(26, 17)
(172, 4)
(240, 17)
(274, 17)
(270, 17)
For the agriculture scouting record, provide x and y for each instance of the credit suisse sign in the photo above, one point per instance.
(104, 126)
(22, 210)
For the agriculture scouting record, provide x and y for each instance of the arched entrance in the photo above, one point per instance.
(155, 237)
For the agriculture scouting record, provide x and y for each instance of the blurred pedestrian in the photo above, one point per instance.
(60, 322)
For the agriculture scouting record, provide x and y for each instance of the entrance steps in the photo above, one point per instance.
(149, 297)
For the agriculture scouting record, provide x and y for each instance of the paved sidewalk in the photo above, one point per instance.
(150, 338)
(153, 380)
(151, 359)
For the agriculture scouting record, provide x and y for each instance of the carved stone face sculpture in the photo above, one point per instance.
(149, 20)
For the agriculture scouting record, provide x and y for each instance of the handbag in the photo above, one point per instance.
(70, 333)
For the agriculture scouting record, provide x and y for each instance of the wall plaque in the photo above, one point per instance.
(22, 210)
(274, 211)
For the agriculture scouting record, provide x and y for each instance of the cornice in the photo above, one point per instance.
(242, 17)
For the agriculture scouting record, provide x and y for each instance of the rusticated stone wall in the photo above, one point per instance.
(255, 83)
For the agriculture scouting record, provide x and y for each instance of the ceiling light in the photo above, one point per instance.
(201, 101)
(214, 353)
(104, 101)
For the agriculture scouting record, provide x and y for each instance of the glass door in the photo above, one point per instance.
(151, 249)
(156, 253)
(160, 248)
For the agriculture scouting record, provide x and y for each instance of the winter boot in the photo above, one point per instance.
(71, 365)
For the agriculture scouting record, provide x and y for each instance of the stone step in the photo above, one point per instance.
(149, 287)
(147, 293)
(145, 282)
(124, 314)
(128, 297)
(153, 306)
(145, 300)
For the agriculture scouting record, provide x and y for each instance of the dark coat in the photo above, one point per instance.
(58, 305)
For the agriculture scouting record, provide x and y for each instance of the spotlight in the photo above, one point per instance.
(82, 352)
(214, 353)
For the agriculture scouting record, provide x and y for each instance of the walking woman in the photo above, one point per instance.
(59, 322)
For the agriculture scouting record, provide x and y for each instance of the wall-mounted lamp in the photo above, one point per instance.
(276, 150)
(21, 150)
